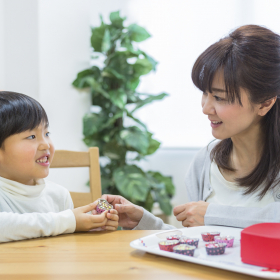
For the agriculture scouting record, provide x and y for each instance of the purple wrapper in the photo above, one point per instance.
(225, 239)
(103, 205)
(214, 248)
(184, 249)
(189, 241)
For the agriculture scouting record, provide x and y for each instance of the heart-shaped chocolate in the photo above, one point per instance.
(103, 205)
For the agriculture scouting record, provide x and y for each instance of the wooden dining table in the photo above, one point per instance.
(97, 255)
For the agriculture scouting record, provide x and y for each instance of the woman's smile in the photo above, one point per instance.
(215, 124)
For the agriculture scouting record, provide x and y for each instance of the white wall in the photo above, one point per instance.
(63, 52)
(20, 43)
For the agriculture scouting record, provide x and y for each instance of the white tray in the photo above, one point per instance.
(231, 260)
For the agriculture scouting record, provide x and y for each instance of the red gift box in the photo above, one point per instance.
(260, 245)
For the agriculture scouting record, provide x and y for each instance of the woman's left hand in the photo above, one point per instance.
(191, 214)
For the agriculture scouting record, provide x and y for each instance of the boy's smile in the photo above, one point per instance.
(43, 160)
(25, 157)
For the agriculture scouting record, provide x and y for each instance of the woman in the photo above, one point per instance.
(234, 181)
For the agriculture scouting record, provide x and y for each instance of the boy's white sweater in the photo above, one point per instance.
(34, 211)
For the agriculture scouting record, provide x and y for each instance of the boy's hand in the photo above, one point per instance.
(112, 222)
(129, 213)
(85, 221)
(191, 214)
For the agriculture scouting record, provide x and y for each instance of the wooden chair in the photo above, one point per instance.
(63, 158)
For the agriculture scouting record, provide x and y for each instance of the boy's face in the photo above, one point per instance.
(26, 157)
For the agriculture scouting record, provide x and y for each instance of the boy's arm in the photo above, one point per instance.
(14, 226)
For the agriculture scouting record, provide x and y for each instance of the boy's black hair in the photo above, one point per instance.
(18, 113)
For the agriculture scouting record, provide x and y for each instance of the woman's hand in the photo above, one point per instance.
(191, 214)
(85, 221)
(129, 213)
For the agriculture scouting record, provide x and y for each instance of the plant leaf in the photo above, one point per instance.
(142, 67)
(149, 202)
(164, 201)
(151, 60)
(112, 120)
(112, 73)
(92, 122)
(135, 139)
(118, 97)
(167, 180)
(106, 42)
(116, 20)
(114, 151)
(105, 183)
(138, 33)
(126, 43)
(136, 120)
(132, 84)
(132, 182)
(93, 141)
(96, 86)
(153, 145)
(97, 35)
(148, 100)
(81, 82)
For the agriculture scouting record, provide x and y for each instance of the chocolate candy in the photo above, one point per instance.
(213, 248)
(189, 241)
(168, 245)
(103, 205)
(184, 249)
(173, 237)
(225, 239)
(209, 236)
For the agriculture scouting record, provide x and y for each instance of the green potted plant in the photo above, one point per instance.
(113, 89)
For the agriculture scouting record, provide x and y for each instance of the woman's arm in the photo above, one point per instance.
(149, 221)
(242, 217)
(198, 212)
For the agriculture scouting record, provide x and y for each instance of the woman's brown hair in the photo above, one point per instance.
(250, 59)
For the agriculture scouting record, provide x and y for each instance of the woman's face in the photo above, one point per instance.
(26, 156)
(229, 120)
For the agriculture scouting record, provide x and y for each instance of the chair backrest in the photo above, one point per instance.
(63, 158)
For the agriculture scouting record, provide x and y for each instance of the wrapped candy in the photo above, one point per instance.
(209, 236)
(168, 245)
(103, 205)
(213, 248)
(173, 237)
(184, 249)
(225, 239)
(189, 241)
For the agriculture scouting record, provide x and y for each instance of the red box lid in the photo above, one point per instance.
(268, 230)
(260, 245)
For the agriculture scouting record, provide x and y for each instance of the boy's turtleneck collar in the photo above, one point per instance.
(17, 189)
